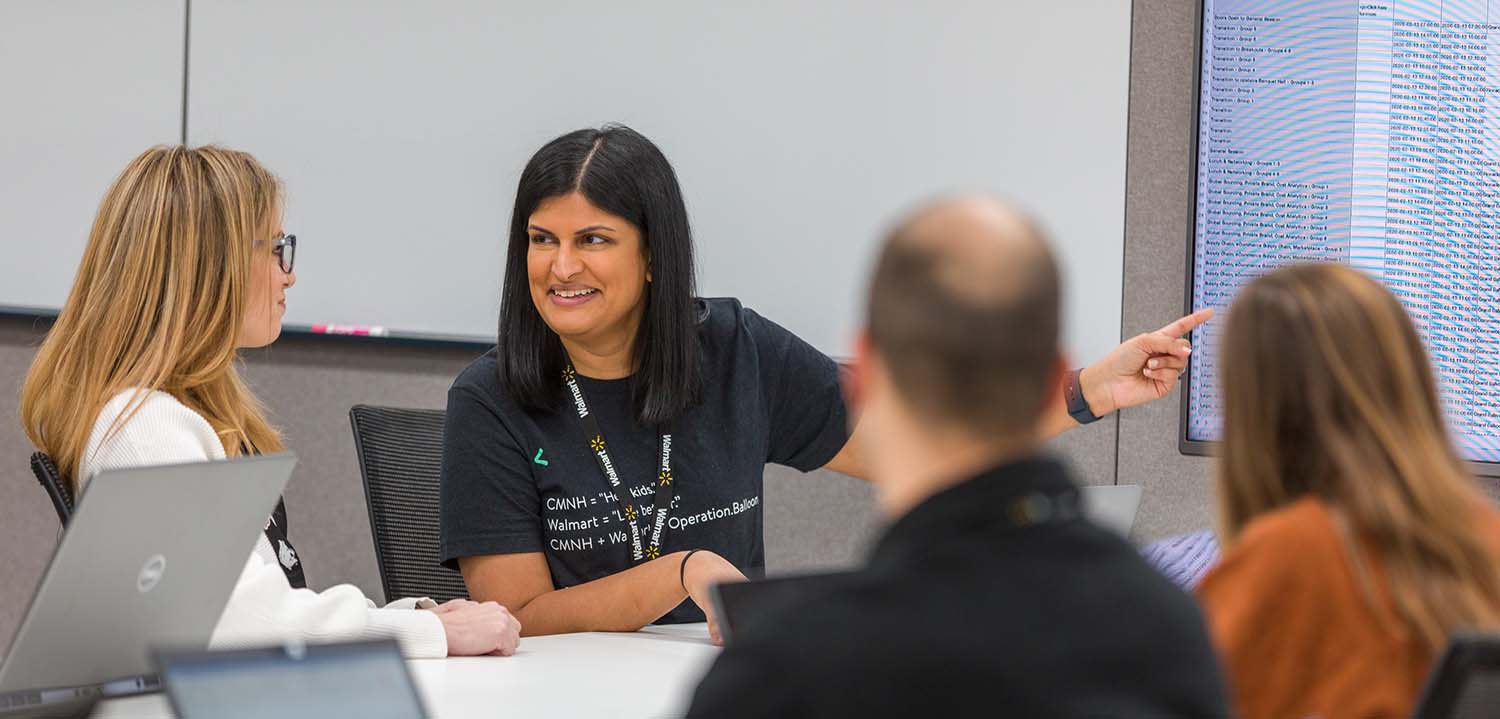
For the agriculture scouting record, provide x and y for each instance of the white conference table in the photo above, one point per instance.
(650, 673)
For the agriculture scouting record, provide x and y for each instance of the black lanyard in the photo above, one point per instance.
(628, 511)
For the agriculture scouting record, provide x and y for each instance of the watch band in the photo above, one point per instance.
(1078, 407)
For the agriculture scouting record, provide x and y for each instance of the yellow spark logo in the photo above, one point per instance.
(652, 552)
(666, 478)
(630, 513)
(597, 443)
(568, 373)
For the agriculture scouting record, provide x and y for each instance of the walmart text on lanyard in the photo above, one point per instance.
(628, 511)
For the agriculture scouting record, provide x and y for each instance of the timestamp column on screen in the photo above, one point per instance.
(1444, 203)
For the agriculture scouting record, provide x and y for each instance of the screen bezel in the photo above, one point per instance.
(1186, 446)
(1205, 447)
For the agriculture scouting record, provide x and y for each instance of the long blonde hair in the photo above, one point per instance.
(1328, 392)
(158, 303)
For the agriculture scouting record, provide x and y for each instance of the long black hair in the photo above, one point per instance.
(619, 171)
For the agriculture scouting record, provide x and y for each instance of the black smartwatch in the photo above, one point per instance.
(1078, 407)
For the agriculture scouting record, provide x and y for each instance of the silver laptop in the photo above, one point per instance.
(149, 558)
(1112, 506)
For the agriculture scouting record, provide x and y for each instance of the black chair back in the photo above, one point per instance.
(51, 480)
(400, 456)
(1465, 681)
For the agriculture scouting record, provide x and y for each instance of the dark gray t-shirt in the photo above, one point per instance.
(516, 481)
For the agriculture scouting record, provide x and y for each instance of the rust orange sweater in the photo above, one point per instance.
(1294, 628)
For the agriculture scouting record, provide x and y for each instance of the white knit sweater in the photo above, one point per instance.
(264, 608)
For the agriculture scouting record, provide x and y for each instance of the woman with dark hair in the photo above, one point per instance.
(604, 463)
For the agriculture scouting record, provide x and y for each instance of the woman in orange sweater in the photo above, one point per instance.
(1356, 541)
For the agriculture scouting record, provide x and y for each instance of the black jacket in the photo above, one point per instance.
(992, 598)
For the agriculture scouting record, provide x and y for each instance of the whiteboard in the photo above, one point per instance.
(85, 86)
(799, 132)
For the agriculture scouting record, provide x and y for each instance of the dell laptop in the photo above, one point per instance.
(149, 559)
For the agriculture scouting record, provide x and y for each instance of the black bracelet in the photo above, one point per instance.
(1078, 406)
(682, 571)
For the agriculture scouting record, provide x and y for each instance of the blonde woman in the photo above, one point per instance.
(1356, 541)
(185, 264)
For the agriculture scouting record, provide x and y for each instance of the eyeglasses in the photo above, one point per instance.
(284, 246)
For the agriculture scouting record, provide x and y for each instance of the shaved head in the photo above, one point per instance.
(964, 309)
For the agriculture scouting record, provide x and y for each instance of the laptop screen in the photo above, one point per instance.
(739, 605)
(368, 680)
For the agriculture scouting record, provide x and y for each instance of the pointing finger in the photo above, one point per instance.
(1186, 324)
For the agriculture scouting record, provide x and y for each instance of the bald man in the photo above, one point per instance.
(990, 594)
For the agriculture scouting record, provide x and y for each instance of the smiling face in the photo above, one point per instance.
(587, 270)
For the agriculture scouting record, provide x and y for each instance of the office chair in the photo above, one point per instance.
(400, 456)
(1465, 682)
(51, 480)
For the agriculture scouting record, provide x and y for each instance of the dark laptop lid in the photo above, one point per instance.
(738, 606)
(363, 680)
